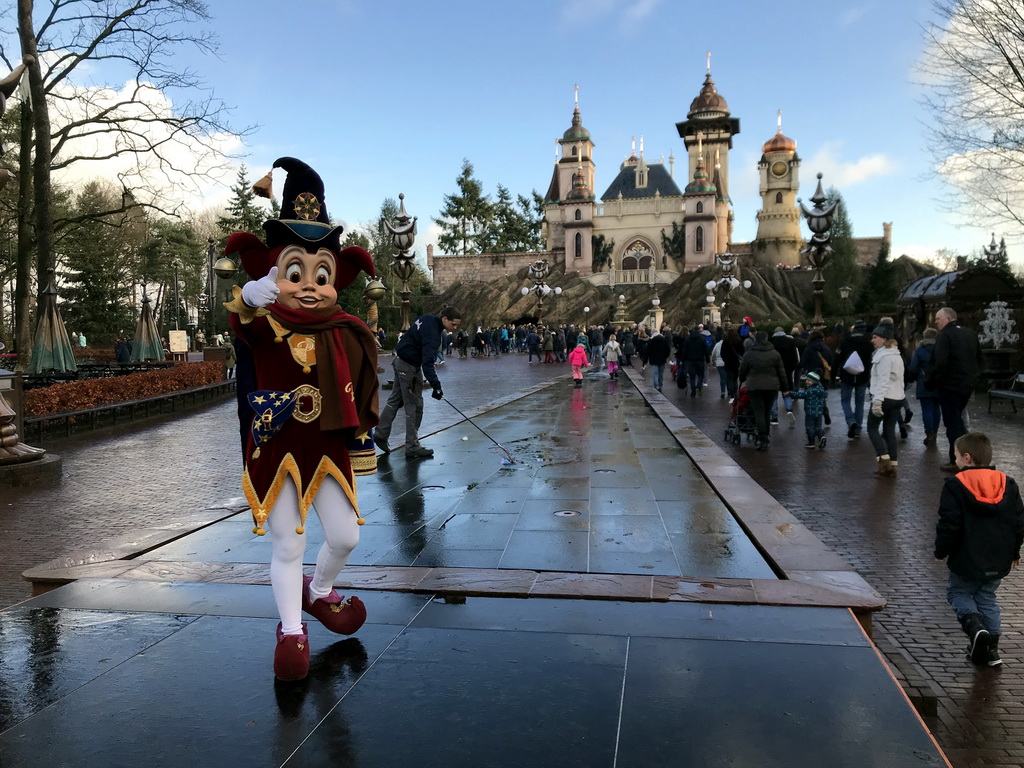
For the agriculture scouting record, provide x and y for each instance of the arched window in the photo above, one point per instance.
(778, 197)
(579, 214)
(574, 151)
(700, 207)
(699, 237)
(579, 246)
(638, 255)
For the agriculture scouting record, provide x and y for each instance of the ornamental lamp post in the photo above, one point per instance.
(726, 284)
(403, 235)
(177, 299)
(538, 272)
(586, 313)
(819, 250)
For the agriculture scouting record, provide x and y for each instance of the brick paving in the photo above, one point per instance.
(886, 530)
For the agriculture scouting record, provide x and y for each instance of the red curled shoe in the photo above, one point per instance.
(334, 612)
(291, 657)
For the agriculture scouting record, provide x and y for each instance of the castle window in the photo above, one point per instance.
(579, 214)
(778, 197)
(574, 151)
(699, 238)
(700, 207)
(578, 252)
(637, 256)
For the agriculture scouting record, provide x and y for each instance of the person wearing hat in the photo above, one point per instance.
(814, 396)
(764, 375)
(888, 398)
(314, 405)
(921, 365)
(853, 384)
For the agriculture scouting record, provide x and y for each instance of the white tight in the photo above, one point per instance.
(341, 535)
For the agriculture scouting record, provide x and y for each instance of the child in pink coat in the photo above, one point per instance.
(578, 360)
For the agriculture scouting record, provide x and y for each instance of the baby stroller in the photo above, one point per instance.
(741, 418)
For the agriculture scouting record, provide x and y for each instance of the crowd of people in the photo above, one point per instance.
(872, 370)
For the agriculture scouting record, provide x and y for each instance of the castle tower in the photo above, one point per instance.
(569, 202)
(700, 218)
(723, 211)
(709, 116)
(778, 222)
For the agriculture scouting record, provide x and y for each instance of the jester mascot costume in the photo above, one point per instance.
(315, 403)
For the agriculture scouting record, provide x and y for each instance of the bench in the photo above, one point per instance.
(1011, 389)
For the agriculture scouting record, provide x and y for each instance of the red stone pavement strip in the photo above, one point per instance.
(886, 530)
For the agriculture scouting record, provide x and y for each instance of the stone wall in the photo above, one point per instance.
(482, 268)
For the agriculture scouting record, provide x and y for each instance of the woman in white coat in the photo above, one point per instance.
(888, 398)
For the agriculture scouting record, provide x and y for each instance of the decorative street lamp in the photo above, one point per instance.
(539, 272)
(994, 253)
(586, 314)
(177, 299)
(725, 285)
(211, 293)
(372, 293)
(403, 235)
(818, 250)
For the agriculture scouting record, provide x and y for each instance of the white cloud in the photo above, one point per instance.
(841, 173)
(577, 12)
(852, 15)
(192, 172)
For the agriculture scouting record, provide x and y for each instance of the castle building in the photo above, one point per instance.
(644, 229)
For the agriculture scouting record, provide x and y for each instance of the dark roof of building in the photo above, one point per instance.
(658, 180)
(709, 101)
(553, 195)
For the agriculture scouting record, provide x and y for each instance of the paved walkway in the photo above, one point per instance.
(123, 479)
(743, 670)
(886, 530)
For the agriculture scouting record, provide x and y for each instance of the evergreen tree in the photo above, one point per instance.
(514, 226)
(244, 215)
(465, 217)
(880, 289)
(100, 268)
(842, 268)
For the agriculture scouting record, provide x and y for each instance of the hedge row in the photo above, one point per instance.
(93, 393)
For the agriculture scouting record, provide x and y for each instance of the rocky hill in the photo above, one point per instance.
(774, 297)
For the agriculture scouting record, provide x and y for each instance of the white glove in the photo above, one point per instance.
(876, 410)
(260, 293)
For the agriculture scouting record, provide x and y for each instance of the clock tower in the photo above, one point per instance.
(778, 222)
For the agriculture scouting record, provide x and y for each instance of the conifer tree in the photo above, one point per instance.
(465, 217)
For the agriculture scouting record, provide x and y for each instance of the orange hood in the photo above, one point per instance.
(986, 485)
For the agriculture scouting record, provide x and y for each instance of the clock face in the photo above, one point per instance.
(779, 168)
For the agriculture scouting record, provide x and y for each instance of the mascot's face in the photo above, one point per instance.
(306, 279)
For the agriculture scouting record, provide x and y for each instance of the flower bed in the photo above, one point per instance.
(94, 393)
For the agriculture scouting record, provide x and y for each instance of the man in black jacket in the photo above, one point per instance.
(853, 387)
(414, 353)
(694, 358)
(658, 350)
(957, 365)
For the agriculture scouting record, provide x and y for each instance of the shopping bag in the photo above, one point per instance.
(854, 364)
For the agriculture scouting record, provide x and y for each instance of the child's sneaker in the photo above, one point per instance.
(791, 417)
(821, 442)
(993, 651)
(810, 445)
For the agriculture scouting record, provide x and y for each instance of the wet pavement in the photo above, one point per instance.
(716, 662)
(886, 530)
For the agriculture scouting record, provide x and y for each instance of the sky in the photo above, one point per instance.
(389, 98)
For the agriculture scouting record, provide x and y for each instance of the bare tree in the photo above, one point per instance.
(973, 70)
(154, 146)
